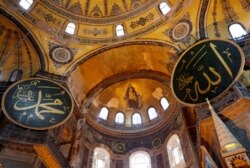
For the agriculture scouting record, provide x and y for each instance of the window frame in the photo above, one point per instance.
(105, 153)
(173, 146)
(162, 103)
(132, 121)
(18, 75)
(157, 115)
(26, 2)
(161, 8)
(243, 28)
(106, 115)
(68, 27)
(123, 29)
(144, 154)
(119, 112)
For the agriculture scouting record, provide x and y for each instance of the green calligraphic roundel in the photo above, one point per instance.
(206, 70)
(37, 103)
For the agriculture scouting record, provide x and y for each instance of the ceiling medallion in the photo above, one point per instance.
(156, 142)
(181, 30)
(206, 70)
(37, 103)
(120, 147)
(61, 55)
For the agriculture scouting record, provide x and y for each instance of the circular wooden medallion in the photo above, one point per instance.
(206, 70)
(37, 103)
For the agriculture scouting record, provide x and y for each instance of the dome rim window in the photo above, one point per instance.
(163, 105)
(164, 8)
(241, 32)
(70, 28)
(26, 4)
(119, 30)
(103, 114)
(152, 115)
(117, 120)
(136, 122)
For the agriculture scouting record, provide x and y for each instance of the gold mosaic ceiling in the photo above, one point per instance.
(16, 51)
(103, 8)
(94, 42)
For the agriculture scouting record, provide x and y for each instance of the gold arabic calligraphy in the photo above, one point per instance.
(185, 80)
(25, 95)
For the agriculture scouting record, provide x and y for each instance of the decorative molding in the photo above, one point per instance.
(104, 20)
(181, 31)
(142, 21)
(215, 23)
(202, 16)
(95, 31)
(245, 5)
(28, 35)
(230, 15)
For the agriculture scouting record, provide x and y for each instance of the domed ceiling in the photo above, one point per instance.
(96, 20)
(17, 53)
(104, 78)
(129, 97)
(101, 9)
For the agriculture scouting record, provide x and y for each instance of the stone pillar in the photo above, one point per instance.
(76, 151)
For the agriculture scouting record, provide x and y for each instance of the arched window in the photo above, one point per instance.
(236, 30)
(16, 75)
(25, 4)
(139, 159)
(101, 158)
(119, 118)
(152, 113)
(164, 103)
(136, 118)
(119, 30)
(70, 28)
(104, 113)
(175, 155)
(164, 8)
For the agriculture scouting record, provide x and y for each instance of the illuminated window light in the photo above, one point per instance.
(70, 28)
(164, 8)
(236, 30)
(164, 103)
(25, 4)
(152, 113)
(136, 118)
(120, 30)
(119, 118)
(104, 113)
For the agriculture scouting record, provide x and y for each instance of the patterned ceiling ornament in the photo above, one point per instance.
(76, 8)
(95, 31)
(181, 30)
(66, 134)
(245, 5)
(156, 142)
(96, 12)
(229, 13)
(142, 21)
(135, 3)
(116, 10)
(120, 147)
(61, 55)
